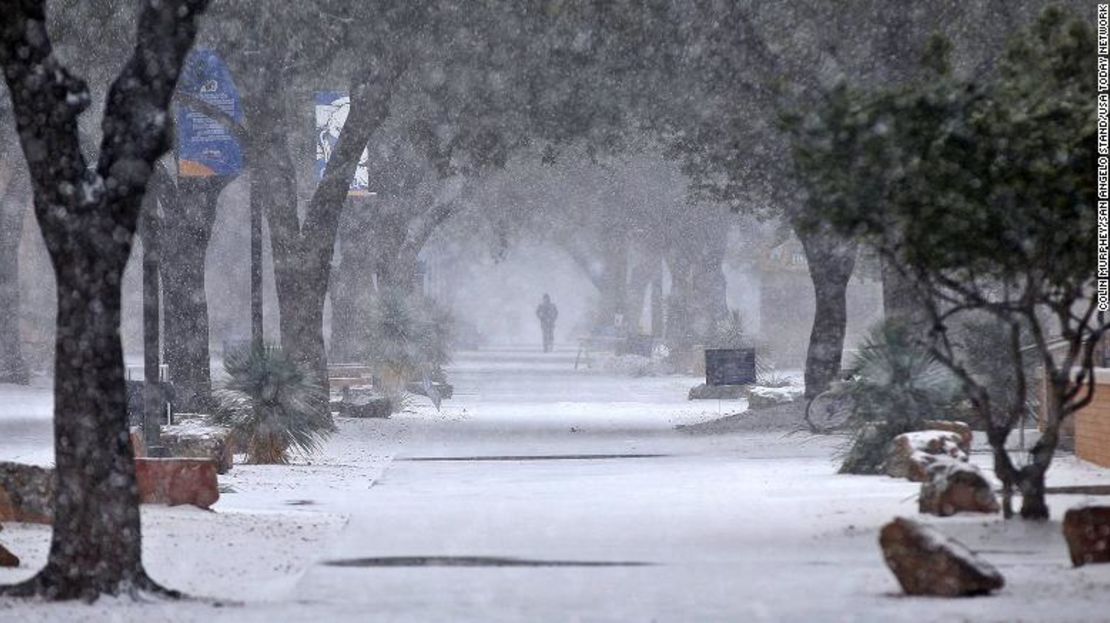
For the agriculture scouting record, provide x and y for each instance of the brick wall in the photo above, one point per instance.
(1092, 427)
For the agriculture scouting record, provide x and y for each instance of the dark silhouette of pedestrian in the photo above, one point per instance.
(547, 313)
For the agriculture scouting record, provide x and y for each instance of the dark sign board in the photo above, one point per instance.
(730, 366)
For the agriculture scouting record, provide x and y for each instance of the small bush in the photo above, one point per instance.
(410, 337)
(271, 405)
(728, 333)
(893, 385)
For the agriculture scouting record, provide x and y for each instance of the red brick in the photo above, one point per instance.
(177, 481)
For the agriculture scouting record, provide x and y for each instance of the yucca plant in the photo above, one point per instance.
(893, 385)
(410, 340)
(728, 332)
(272, 405)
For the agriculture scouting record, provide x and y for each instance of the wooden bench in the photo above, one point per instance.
(586, 345)
(343, 376)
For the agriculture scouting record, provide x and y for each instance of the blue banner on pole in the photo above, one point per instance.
(205, 148)
(331, 113)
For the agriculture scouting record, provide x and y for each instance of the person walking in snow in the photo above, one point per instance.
(547, 313)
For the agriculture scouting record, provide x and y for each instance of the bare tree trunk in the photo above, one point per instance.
(352, 291)
(301, 295)
(95, 546)
(614, 280)
(641, 277)
(831, 261)
(679, 334)
(900, 302)
(186, 230)
(13, 367)
(302, 252)
(709, 297)
(394, 267)
(88, 220)
(657, 305)
(1031, 477)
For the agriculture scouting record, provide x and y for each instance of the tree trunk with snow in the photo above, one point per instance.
(13, 367)
(187, 223)
(640, 278)
(88, 220)
(614, 279)
(302, 251)
(831, 260)
(901, 302)
(352, 287)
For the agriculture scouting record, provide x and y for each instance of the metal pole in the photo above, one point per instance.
(153, 398)
(256, 269)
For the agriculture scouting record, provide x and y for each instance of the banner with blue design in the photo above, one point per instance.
(205, 148)
(331, 113)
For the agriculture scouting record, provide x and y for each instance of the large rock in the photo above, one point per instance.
(8, 559)
(195, 438)
(718, 392)
(1087, 530)
(364, 405)
(910, 455)
(953, 426)
(26, 493)
(956, 487)
(177, 481)
(763, 397)
(927, 562)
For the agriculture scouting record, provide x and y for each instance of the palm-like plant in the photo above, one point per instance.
(893, 385)
(410, 339)
(271, 405)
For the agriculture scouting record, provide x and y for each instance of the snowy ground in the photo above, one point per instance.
(750, 525)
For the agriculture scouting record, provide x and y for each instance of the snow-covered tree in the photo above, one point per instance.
(88, 216)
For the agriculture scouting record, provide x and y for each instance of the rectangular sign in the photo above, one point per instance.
(730, 366)
(205, 148)
(331, 113)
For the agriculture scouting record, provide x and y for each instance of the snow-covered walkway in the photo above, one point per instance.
(535, 462)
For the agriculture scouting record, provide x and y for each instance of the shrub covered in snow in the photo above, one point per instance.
(271, 405)
(893, 386)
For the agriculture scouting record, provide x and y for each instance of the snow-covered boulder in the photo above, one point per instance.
(718, 392)
(364, 405)
(927, 562)
(26, 493)
(953, 426)
(910, 455)
(195, 438)
(955, 486)
(762, 397)
(1087, 530)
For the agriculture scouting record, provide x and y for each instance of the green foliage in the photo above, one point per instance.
(965, 180)
(893, 385)
(981, 192)
(729, 333)
(271, 405)
(409, 335)
(896, 380)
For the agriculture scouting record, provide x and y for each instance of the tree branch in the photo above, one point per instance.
(370, 98)
(136, 125)
(42, 89)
